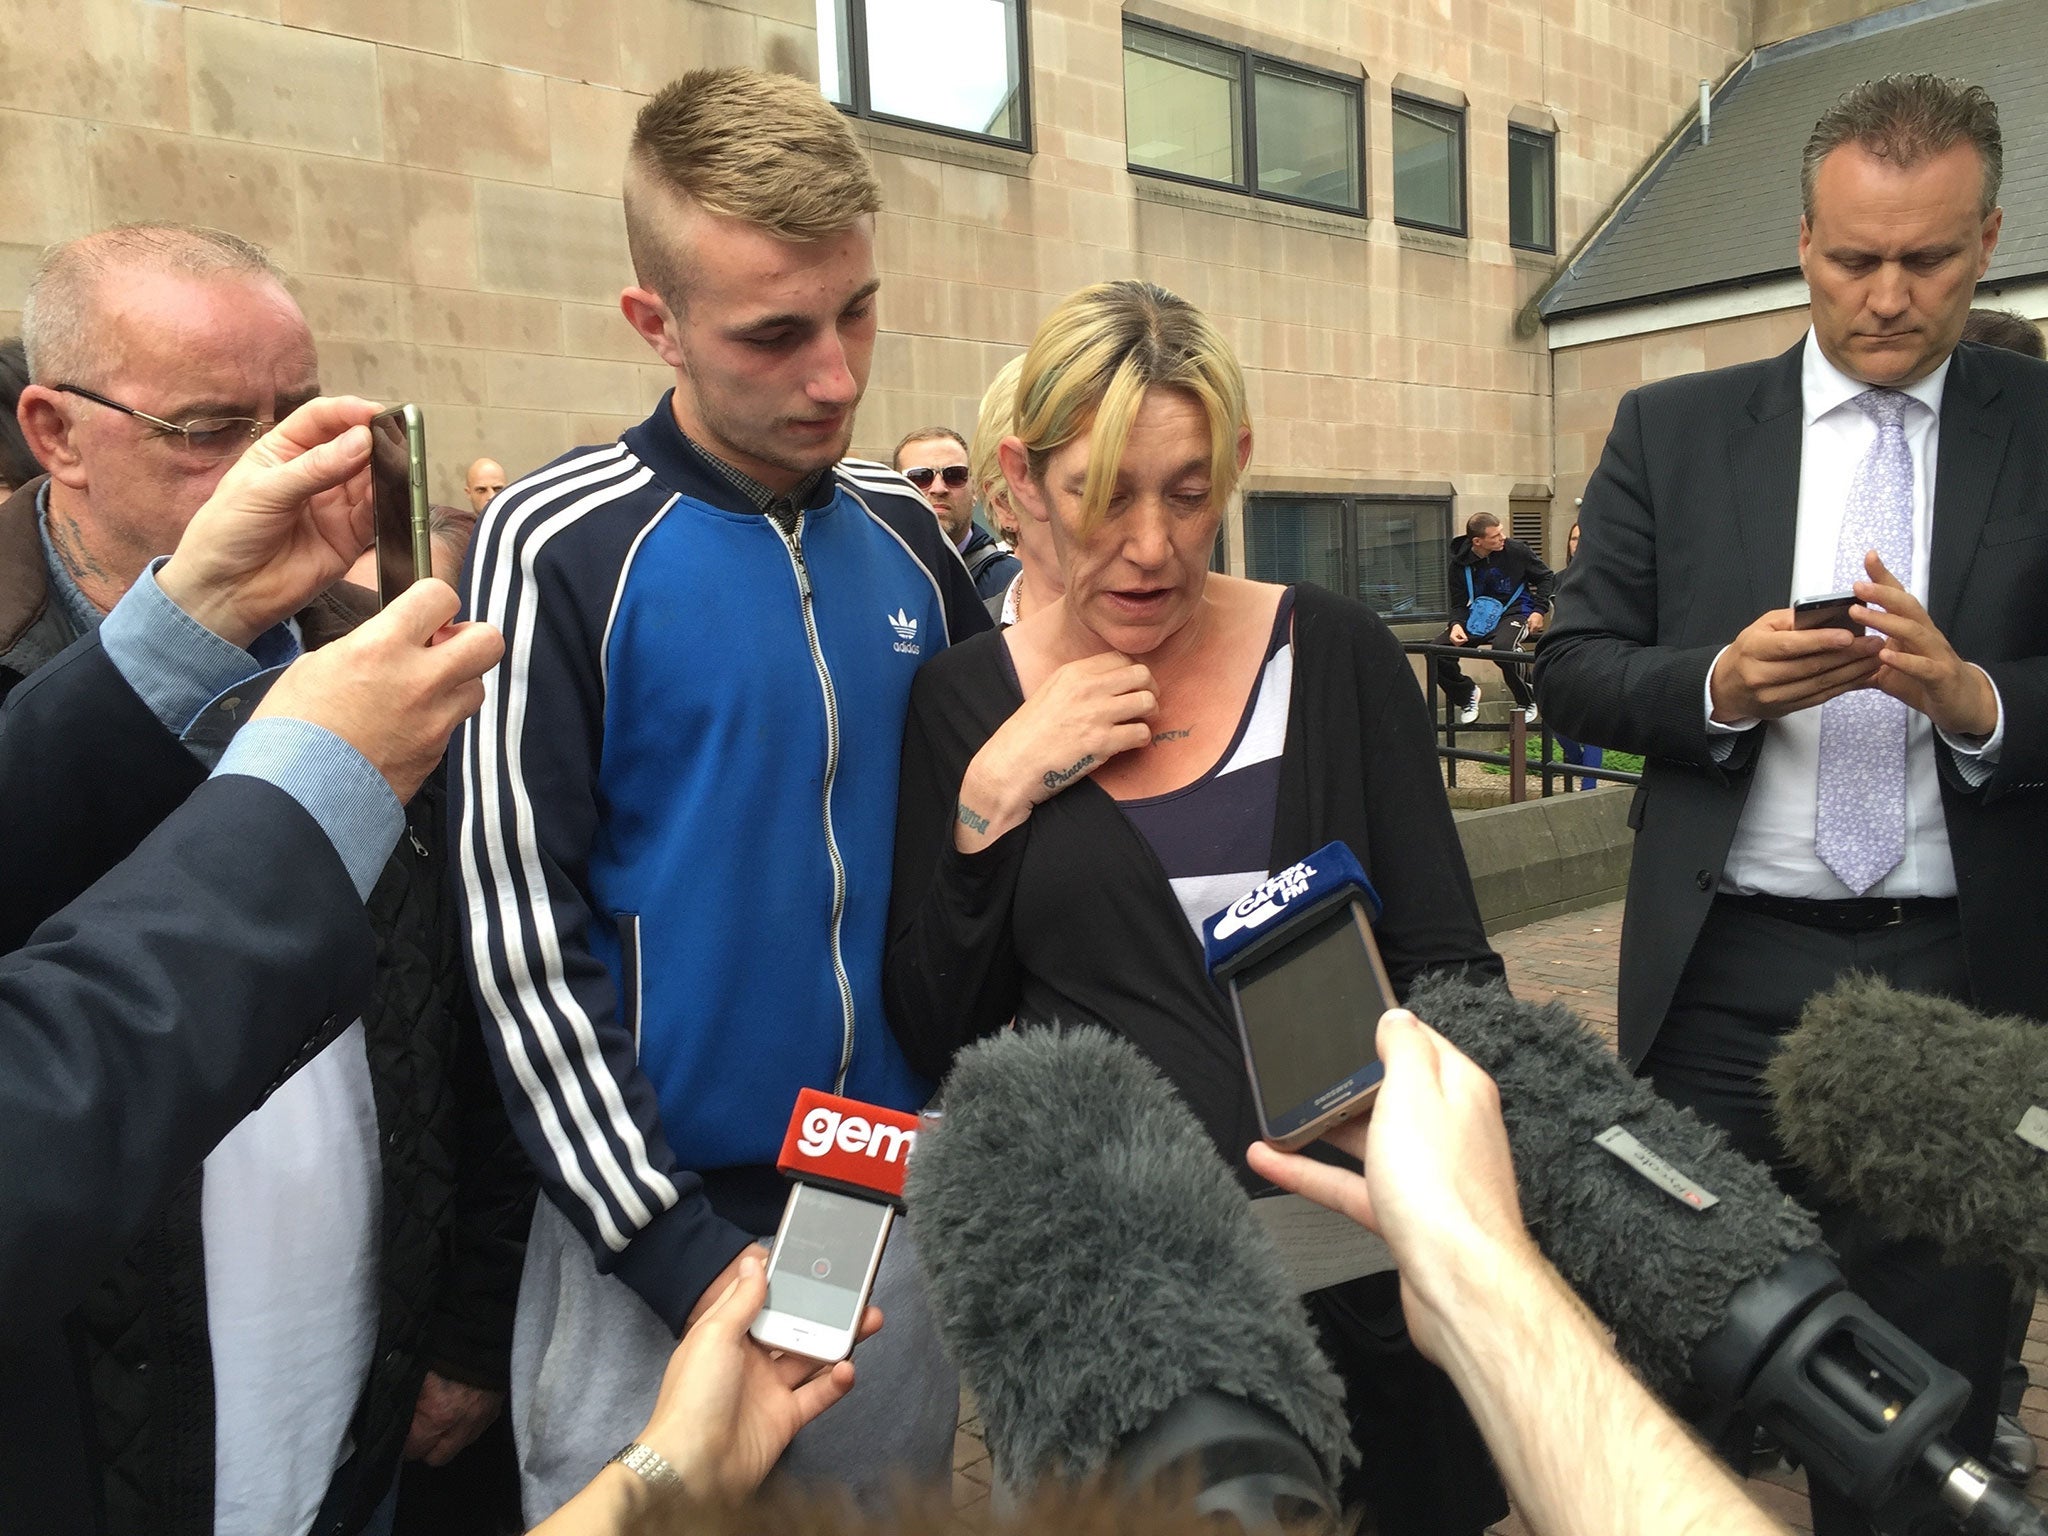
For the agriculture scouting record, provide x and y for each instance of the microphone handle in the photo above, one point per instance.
(1981, 1504)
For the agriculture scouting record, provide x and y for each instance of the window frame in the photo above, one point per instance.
(1463, 227)
(860, 104)
(1549, 143)
(1349, 505)
(1248, 61)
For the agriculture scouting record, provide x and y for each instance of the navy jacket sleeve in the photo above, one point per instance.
(144, 1020)
(86, 771)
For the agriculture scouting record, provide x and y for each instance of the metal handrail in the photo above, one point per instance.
(1515, 759)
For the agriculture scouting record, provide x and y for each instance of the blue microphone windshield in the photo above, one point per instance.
(1332, 869)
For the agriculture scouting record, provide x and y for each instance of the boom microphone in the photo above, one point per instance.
(1930, 1118)
(1707, 1274)
(1102, 1285)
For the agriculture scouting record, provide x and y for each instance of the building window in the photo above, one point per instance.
(1532, 190)
(960, 67)
(1389, 552)
(1198, 111)
(1429, 165)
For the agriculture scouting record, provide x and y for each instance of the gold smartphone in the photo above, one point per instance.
(398, 491)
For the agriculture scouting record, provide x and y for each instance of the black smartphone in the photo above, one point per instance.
(1829, 612)
(1308, 1014)
(398, 493)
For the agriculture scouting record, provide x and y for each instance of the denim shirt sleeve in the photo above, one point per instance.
(339, 789)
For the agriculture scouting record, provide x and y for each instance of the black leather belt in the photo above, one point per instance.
(1854, 914)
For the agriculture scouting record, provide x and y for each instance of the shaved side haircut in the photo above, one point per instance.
(765, 149)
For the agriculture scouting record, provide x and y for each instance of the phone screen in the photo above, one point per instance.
(391, 496)
(1311, 1014)
(821, 1263)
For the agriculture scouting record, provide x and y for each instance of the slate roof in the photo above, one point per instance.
(1727, 213)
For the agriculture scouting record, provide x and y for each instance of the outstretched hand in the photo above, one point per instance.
(1439, 1181)
(285, 522)
(729, 1407)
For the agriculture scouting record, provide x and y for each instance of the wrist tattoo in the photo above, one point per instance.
(967, 818)
(1061, 777)
(1180, 735)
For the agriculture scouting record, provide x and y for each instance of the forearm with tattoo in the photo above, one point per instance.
(1060, 778)
(969, 818)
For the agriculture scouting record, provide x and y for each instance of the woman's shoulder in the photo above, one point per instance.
(1335, 616)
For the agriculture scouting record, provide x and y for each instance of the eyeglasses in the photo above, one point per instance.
(208, 437)
(923, 476)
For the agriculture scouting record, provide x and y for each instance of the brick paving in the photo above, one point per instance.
(1571, 959)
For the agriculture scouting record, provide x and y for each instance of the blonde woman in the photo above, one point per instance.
(1081, 790)
(1039, 582)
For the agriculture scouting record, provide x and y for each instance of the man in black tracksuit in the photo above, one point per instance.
(1485, 562)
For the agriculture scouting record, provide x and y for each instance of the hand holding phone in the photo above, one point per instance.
(398, 493)
(1829, 612)
(821, 1272)
(1307, 986)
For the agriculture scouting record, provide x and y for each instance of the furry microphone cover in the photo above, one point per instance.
(1657, 1272)
(1907, 1106)
(1091, 1261)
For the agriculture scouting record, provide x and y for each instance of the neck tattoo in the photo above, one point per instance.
(68, 540)
(1179, 735)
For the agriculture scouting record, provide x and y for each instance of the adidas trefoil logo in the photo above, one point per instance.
(906, 633)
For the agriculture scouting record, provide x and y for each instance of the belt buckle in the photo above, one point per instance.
(1896, 913)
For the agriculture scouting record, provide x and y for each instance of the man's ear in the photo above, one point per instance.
(648, 313)
(52, 435)
(1026, 494)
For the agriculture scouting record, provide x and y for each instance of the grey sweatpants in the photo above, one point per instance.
(588, 1353)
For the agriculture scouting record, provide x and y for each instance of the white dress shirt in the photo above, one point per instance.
(290, 1210)
(1773, 849)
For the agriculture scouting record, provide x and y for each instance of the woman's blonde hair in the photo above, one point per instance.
(1090, 365)
(992, 424)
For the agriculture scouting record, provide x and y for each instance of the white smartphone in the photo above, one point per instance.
(819, 1276)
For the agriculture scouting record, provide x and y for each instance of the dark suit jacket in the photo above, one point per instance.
(1687, 536)
(139, 1023)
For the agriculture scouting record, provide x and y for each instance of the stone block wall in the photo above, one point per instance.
(441, 179)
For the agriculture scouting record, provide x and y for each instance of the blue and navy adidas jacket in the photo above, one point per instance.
(674, 820)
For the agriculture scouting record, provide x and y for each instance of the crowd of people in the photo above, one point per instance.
(404, 1007)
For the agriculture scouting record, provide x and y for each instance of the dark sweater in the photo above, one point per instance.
(1070, 915)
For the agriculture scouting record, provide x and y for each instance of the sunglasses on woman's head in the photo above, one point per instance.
(923, 476)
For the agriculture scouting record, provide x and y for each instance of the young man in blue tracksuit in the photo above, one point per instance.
(676, 811)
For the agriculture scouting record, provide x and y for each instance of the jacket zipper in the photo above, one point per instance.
(793, 542)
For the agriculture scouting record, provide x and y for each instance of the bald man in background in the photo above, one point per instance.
(485, 479)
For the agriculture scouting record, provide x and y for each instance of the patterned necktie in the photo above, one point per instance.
(1860, 829)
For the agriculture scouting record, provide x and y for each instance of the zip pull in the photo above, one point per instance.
(794, 538)
(418, 847)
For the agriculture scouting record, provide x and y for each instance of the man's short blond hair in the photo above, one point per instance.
(765, 149)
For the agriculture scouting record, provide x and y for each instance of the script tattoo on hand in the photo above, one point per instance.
(969, 819)
(1179, 735)
(1060, 778)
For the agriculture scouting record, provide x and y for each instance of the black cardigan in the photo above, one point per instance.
(1070, 915)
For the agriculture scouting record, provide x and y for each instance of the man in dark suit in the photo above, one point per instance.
(173, 943)
(1817, 800)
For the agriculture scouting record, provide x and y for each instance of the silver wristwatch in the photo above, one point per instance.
(648, 1464)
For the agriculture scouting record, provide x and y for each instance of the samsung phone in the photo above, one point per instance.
(1308, 1014)
(821, 1271)
(398, 492)
(1830, 612)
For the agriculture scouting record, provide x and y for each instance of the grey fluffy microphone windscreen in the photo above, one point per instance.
(1909, 1108)
(1092, 1262)
(1658, 1272)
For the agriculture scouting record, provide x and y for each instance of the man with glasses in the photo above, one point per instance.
(334, 1287)
(934, 459)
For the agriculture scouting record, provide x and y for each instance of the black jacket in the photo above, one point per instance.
(1689, 525)
(456, 1192)
(1513, 565)
(990, 567)
(1070, 916)
(108, 1098)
